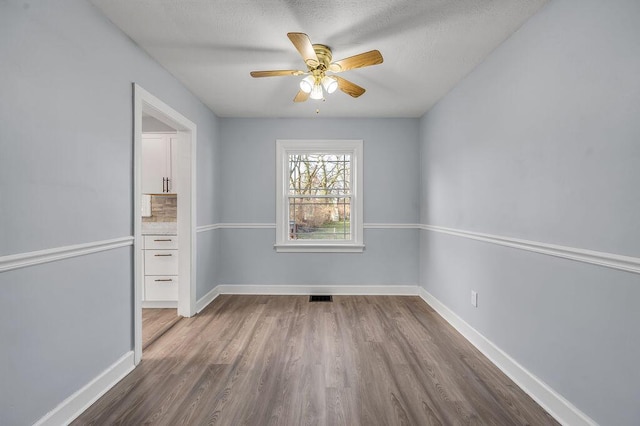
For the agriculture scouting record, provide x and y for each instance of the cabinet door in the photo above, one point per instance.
(172, 164)
(161, 242)
(161, 262)
(157, 288)
(156, 163)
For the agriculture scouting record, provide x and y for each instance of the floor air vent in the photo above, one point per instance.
(320, 298)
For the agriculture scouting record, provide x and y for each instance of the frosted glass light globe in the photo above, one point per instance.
(316, 92)
(307, 83)
(330, 84)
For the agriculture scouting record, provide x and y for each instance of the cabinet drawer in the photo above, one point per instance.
(161, 262)
(161, 242)
(160, 288)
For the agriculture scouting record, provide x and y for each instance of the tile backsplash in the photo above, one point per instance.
(164, 208)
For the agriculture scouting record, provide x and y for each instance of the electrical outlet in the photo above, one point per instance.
(474, 298)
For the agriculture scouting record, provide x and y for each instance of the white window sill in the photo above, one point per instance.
(319, 248)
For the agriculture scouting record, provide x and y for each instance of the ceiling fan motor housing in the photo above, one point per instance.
(324, 56)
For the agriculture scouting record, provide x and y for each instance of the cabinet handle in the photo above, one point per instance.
(163, 180)
(168, 190)
(168, 279)
(169, 239)
(163, 255)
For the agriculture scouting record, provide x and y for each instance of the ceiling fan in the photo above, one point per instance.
(317, 57)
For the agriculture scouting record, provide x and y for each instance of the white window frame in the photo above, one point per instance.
(285, 147)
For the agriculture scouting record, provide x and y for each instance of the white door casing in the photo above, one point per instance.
(184, 172)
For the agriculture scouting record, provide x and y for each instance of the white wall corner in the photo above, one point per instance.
(69, 409)
(554, 403)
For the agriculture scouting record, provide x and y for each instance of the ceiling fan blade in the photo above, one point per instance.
(301, 96)
(275, 73)
(348, 87)
(303, 44)
(373, 57)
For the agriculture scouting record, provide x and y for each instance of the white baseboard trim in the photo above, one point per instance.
(371, 290)
(69, 409)
(22, 260)
(609, 260)
(204, 301)
(555, 404)
(160, 304)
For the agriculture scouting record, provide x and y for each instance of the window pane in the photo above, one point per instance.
(319, 218)
(319, 196)
(319, 174)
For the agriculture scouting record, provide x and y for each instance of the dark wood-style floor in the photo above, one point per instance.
(155, 322)
(280, 360)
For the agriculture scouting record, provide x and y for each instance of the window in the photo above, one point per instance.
(319, 196)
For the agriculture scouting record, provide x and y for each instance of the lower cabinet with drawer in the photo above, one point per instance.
(161, 288)
(160, 271)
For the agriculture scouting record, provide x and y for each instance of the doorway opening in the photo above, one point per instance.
(164, 245)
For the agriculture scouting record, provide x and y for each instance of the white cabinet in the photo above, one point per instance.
(157, 163)
(160, 288)
(161, 242)
(161, 262)
(160, 268)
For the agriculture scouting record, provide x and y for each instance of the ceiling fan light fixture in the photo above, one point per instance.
(307, 83)
(316, 92)
(317, 58)
(330, 84)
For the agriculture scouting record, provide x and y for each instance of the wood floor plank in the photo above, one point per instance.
(155, 322)
(280, 360)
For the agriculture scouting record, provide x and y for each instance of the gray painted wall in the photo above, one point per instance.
(391, 195)
(66, 178)
(541, 142)
(61, 324)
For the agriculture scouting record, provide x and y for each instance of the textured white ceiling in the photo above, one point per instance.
(211, 46)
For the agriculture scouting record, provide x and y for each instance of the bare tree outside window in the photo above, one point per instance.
(319, 196)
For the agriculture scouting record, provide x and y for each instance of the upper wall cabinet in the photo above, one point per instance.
(157, 153)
